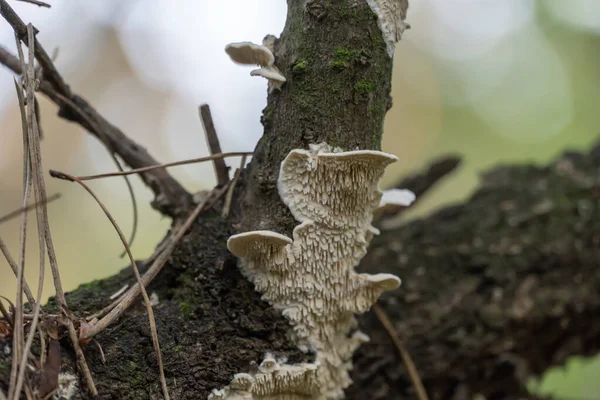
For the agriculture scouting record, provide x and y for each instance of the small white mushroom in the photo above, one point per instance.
(248, 53)
(394, 199)
(384, 281)
(272, 74)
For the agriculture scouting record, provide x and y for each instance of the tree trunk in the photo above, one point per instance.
(495, 290)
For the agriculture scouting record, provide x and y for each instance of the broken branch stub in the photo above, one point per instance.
(311, 278)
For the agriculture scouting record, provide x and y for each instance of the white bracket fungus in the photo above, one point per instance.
(311, 278)
(248, 53)
(390, 19)
(393, 199)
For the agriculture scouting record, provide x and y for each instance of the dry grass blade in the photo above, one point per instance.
(16, 213)
(111, 151)
(50, 71)
(19, 354)
(34, 153)
(151, 319)
(15, 268)
(29, 122)
(74, 108)
(4, 311)
(60, 175)
(159, 261)
(410, 365)
(229, 195)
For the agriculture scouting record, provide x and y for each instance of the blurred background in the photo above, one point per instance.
(493, 81)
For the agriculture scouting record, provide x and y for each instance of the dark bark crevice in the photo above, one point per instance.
(496, 290)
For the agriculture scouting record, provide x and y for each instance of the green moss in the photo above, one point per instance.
(343, 56)
(177, 348)
(94, 286)
(347, 13)
(187, 309)
(135, 377)
(300, 66)
(362, 89)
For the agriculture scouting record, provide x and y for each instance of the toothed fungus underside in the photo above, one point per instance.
(311, 278)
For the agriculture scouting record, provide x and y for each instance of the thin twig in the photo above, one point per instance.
(160, 260)
(229, 195)
(408, 362)
(4, 312)
(37, 3)
(106, 309)
(20, 355)
(170, 197)
(117, 163)
(60, 175)
(50, 71)
(30, 131)
(15, 268)
(212, 139)
(30, 207)
(151, 319)
(42, 213)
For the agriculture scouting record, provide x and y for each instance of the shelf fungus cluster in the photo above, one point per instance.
(311, 278)
(248, 53)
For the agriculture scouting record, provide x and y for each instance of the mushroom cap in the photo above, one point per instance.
(397, 197)
(384, 281)
(352, 192)
(249, 244)
(248, 53)
(269, 73)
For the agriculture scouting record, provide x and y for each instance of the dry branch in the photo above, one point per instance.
(212, 139)
(170, 197)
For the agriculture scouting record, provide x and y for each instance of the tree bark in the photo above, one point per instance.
(495, 290)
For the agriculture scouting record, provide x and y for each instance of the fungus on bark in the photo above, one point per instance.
(390, 19)
(311, 278)
(395, 199)
(248, 53)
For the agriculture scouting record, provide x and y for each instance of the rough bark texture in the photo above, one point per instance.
(502, 286)
(495, 290)
(338, 83)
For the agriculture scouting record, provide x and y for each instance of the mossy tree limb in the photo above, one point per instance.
(455, 265)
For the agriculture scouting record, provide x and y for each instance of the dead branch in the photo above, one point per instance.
(212, 139)
(170, 197)
(37, 3)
